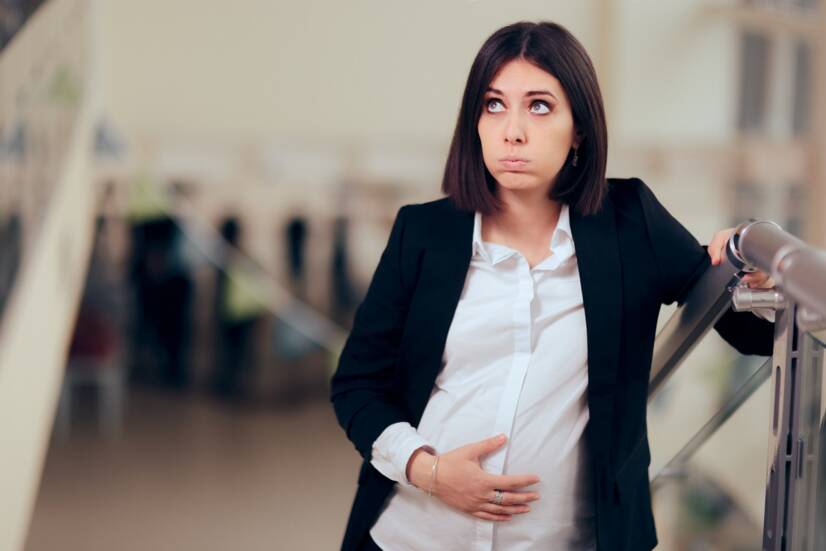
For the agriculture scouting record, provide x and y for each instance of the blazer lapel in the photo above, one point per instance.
(443, 277)
(600, 274)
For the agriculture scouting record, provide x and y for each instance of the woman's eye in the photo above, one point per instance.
(543, 107)
(492, 102)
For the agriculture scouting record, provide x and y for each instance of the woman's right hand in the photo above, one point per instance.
(462, 483)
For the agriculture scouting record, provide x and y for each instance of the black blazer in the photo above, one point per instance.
(633, 256)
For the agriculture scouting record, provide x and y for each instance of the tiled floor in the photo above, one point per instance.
(195, 474)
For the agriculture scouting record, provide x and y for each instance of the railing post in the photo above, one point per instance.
(794, 424)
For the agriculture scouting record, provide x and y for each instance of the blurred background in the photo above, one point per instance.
(194, 196)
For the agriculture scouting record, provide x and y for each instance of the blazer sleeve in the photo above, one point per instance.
(681, 261)
(363, 390)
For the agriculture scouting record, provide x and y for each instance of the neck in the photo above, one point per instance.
(528, 216)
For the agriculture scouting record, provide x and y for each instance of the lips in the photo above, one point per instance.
(512, 163)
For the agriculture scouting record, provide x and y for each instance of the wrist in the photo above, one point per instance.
(419, 468)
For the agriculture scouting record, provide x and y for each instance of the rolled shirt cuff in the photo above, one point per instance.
(393, 448)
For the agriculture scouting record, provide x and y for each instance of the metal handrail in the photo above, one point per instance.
(797, 268)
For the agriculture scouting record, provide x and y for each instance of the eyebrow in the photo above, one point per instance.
(529, 93)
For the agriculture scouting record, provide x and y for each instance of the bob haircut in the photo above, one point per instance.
(552, 48)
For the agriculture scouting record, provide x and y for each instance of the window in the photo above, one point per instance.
(753, 82)
(801, 95)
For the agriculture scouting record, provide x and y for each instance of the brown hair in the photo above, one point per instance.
(552, 48)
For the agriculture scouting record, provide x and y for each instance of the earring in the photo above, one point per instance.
(576, 157)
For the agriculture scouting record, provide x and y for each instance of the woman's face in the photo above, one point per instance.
(526, 127)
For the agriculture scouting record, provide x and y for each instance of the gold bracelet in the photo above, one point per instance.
(433, 475)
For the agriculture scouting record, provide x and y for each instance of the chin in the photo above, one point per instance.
(517, 181)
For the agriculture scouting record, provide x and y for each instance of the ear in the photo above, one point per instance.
(579, 137)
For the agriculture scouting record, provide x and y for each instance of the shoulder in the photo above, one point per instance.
(623, 190)
(437, 207)
(434, 223)
(436, 214)
(633, 199)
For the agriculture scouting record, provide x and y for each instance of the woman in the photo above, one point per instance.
(496, 374)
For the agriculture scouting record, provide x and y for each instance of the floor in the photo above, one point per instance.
(193, 473)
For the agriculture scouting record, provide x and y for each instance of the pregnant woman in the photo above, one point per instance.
(495, 378)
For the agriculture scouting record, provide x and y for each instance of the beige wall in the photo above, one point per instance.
(677, 70)
(370, 90)
(314, 71)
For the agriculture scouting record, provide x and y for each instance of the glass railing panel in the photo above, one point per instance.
(710, 375)
(716, 499)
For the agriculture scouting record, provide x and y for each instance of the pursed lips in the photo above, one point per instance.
(513, 163)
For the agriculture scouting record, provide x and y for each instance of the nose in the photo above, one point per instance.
(514, 128)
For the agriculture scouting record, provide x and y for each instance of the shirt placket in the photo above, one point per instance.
(506, 413)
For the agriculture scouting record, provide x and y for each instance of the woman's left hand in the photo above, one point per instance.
(755, 280)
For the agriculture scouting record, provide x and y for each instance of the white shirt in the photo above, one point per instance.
(515, 362)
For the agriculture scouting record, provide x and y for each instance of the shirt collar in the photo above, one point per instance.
(562, 243)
